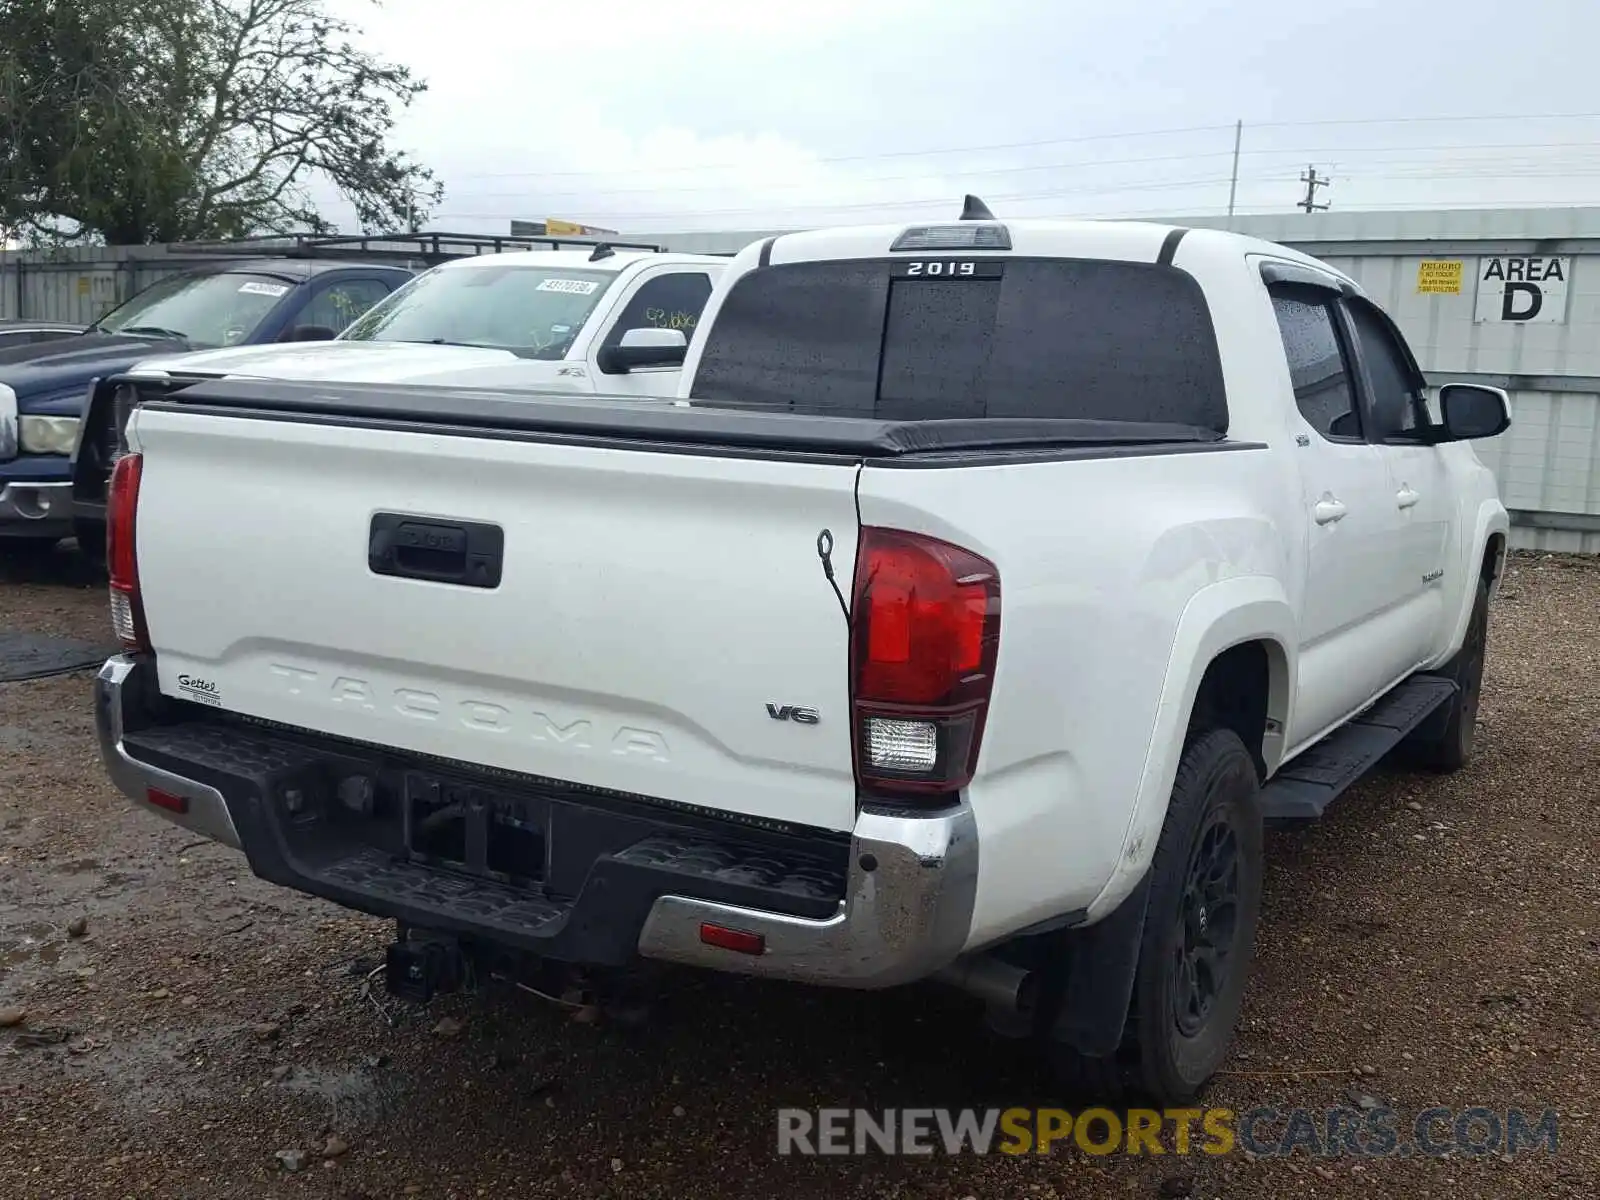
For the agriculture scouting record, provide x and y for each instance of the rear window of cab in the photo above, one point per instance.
(904, 339)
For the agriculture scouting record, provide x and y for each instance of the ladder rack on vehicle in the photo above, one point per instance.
(430, 248)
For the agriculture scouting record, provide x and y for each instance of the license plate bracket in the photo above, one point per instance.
(480, 830)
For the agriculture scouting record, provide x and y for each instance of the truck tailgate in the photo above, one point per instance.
(659, 617)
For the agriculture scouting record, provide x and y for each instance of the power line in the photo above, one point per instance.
(662, 221)
(1028, 145)
(864, 179)
(777, 210)
(1093, 137)
(1408, 205)
(1469, 165)
(852, 206)
(1510, 171)
(1075, 165)
(1424, 120)
(1110, 189)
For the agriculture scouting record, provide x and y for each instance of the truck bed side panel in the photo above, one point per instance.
(1098, 560)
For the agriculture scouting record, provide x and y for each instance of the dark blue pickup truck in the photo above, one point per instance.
(235, 302)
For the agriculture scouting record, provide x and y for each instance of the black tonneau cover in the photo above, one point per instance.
(659, 421)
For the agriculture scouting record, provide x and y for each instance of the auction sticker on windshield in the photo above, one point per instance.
(578, 287)
(262, 289)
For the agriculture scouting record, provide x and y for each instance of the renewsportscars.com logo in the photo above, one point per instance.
(1263, 1132)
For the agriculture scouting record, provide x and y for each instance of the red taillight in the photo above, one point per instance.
(925, 630)
(122, 562)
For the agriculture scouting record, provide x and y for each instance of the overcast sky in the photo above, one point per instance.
(743, 114)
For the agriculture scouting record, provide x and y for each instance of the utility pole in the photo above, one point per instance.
(1233, 180)
(1312, 183)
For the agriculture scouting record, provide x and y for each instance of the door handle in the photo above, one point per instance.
(466, 553)
(1405, 497)
(1328, 510)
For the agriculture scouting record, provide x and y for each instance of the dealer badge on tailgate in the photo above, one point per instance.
(200, 690)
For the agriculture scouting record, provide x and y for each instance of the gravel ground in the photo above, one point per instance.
(1443, 933)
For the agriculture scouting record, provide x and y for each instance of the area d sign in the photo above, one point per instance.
(1523, 288)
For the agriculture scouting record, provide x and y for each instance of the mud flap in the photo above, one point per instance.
(1101, 962)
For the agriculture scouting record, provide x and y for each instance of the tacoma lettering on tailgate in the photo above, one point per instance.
(482, 716)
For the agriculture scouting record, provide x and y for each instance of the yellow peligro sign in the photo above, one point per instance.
(1441, 277)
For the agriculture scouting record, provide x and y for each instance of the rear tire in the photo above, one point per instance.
(1452, 749)
(1198, 935)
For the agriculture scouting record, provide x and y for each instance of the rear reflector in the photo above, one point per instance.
(166, 800)
(737, 940)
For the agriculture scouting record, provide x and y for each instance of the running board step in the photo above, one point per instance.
(1317, 777)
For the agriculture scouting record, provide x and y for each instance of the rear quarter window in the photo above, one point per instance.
(1046, 338)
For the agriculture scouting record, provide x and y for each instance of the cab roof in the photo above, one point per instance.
(294, 270)
(574, 260)
(1129, 241)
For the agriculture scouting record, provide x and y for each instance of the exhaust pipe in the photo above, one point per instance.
(1008, 991)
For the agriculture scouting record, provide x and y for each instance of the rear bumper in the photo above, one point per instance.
(622, 878)
(36, 509)
(124, 692)
(902, 920)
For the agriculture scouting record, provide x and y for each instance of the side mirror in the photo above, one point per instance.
(644, 348)
(309, 333)
(1472, 410)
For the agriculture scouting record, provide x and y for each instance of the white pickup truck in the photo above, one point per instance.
(995, 586)
(609, 320)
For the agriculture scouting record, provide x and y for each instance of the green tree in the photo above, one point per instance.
(171, 120)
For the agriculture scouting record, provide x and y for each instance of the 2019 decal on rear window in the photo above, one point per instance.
(950, 268)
